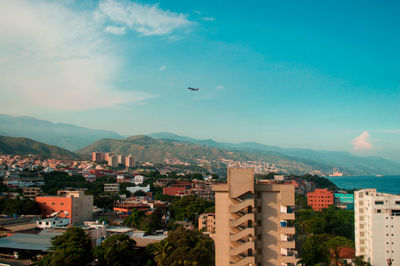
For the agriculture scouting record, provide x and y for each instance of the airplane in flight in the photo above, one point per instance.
(193, 89)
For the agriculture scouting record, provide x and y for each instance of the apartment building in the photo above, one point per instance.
(111, 188)
(97, 156)
(129, 161)
(207, 222)
(254, 221)
(31, 192)
(121, 159)
(377, 227)
(72, 204)
(113, 160)
(320, 199)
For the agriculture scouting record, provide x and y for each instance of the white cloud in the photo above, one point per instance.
(362, 142)
(115, 30)
(146, 19)
(208, 18)
(55, 58)
(162, 68)
(391, 131)
(220, 87)
(197, 12)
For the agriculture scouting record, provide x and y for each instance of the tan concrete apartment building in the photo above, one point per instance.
(253, 221)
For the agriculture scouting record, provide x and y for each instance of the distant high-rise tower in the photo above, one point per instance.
(129, 161)
(253, 221)
(96, 157)
(113, 160)
(121, 159)
(377, 227)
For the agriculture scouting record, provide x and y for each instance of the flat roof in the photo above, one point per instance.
(39, 242)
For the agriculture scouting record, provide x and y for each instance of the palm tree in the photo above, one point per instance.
(161, 252)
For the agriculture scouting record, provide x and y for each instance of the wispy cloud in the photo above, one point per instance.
(220, 87)
(115, 30)
(57, 59)
(391, 131)
(162, 68)
(362, 142)
(147, 20)
(207, 18)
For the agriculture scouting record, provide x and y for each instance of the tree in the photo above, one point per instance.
(185, 247)
(314, 251)
(161, 252)
(359, 261)
(116, 250)
(135, 218)
(189, 207)
(73, 248)
(335, 245)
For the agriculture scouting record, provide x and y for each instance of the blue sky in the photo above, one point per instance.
(311, 74)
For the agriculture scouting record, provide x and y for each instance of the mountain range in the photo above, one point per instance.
(157, 147)
(24, 146)
(66, 136)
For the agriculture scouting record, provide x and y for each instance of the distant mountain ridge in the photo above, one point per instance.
(24, 146)
(338, 159)
(67, 136)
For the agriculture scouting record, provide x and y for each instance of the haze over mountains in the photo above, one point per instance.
(24, 146)
(66, 136)
(157, 147)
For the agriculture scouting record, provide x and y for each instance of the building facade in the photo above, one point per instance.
(254, 221)
(113, 160)
(72, 204)
(320, 199)
(377, 227)
(111, 188)
(97, 156)
(207, 222)
(129, 161)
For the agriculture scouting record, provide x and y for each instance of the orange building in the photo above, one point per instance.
(320, 199)
(74, 205)
(207, 222)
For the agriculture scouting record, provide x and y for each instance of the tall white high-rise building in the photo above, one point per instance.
(377, 227)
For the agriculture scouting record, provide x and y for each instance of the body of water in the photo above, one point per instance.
(384, 184)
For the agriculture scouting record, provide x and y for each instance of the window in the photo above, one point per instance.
(62, 203)
(378, 202)
(398, 202)
(52, 203)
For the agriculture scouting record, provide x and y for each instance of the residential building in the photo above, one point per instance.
(129, 161)
(320, 199)
(174, 191)
(207, 222)
(254, 221)
(138, 179)
(121, 159)
(97, 156)
(113, 160)
(52, 222)
(72, 204)
(111, 188)
(133, 190)
(31, 192)
(377, 227)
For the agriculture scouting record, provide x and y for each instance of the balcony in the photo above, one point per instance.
(289, 259)
(288, 230)
(250, 260)
(242, 248)
(287, 216)
(289, 243)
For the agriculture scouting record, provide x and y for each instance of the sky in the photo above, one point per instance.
(323, 75)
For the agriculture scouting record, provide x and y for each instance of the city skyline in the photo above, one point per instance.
(315, 75)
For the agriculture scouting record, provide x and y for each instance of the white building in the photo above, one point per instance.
(138, 179)
(135, 189)
(52, 222)
(377, 227)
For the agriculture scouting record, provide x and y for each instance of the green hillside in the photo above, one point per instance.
(24, 146)
(145, 148)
